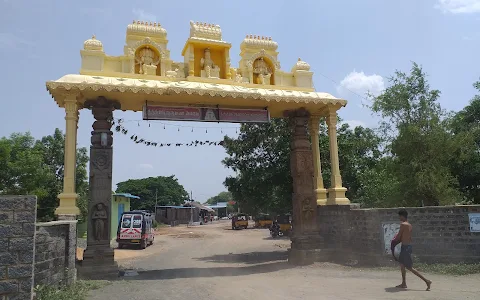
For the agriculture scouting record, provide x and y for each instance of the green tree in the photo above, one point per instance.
(221, 197)
(167, 190)
(465, 126)
(419, 142)
(260, 156)
(36, 167)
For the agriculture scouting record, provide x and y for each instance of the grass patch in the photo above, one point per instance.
(76, 291)
(449, 269)
(443, 269)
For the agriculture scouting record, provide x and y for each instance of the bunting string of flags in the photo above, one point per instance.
(138, 140)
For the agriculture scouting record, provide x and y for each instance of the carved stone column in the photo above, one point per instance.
(320, 191)
(67, 208)
(98, 259)
(305, 237)
(336, 194)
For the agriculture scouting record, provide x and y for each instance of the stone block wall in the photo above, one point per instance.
(17, 246)
(56, 246)
(440, 234)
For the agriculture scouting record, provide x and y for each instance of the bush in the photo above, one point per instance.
(76, 291)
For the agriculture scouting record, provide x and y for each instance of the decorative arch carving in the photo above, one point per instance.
(148, 42)
(264, 54)
(147, 60)
(269, 60)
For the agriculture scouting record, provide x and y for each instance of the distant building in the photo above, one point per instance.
(174, 215)
(220, 209)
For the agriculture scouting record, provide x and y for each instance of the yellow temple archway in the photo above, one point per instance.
(145, 79)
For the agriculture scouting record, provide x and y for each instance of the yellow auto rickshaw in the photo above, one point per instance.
(263, 221)
(240, 221)
(285, 223)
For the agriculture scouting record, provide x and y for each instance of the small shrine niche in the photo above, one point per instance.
(209, 63)
(147, 61)
(206, 55)
(263, 71)
(259, 63)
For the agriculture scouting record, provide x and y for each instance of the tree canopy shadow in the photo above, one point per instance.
(247, 258)
(210, 272)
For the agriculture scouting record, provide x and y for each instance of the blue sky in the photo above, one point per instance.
(352, 46)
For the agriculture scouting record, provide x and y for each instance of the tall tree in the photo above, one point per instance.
(167, 190)
(36, 167)
(465, 126)
(420, 142)
(260, 156)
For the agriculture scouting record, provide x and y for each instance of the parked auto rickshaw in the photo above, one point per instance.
(284, 221)
(263, 221)
(240, 221)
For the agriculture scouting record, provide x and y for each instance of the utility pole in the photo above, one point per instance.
(191, 195)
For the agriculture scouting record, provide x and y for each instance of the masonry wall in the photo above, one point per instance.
(56, 246)
(17, 246)
(359, 236)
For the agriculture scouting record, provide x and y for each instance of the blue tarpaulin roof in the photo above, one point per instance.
(127, 195)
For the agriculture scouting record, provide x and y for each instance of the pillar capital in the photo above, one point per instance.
(332, 116)
(314, 123)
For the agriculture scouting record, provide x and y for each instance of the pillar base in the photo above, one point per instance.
(98, 264)
(304, 248)
(336, 196)
(68, 204)
(321, 196)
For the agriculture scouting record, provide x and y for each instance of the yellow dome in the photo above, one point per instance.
(93, 44)
(301, 66)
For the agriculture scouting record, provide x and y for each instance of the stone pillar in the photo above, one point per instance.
(191, 62)
(67, 208)
(98, 258)
(320, 190)
(305, 237)
(336, 194)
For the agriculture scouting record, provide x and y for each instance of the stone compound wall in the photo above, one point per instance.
(362, 236)
(17, 246)
(56, 245)
(30, 253)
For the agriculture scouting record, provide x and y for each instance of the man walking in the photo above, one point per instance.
(404, 236)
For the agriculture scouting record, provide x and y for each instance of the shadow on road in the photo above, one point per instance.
(210, 272)
(248, 258)
(283, 237)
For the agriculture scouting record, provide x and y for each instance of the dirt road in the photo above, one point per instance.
(214, 262)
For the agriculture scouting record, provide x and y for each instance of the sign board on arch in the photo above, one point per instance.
(205, 114)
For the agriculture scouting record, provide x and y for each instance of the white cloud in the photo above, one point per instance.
(361, 84)
(145, 166)
(11, 41)
(355, 123)
(141, 15)
(458, 6)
